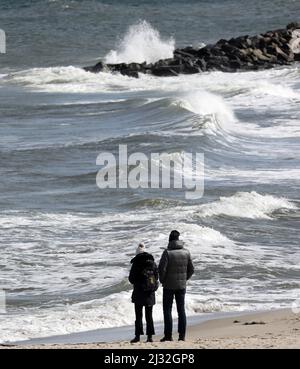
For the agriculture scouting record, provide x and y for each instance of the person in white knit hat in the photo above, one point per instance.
(141, 248)
(144, 277)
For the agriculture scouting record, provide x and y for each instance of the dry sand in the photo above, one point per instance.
(270, 330)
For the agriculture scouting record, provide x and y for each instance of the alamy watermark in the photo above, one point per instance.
(2, 302)
(2, 42)
(156, 171)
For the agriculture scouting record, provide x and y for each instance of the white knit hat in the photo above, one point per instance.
(140, 249)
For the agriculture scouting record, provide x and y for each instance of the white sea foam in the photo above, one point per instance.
(255, 176)
(113, 311)
(75, 80)
(246, 205)
(61, 251)
(214, 97)
(117, 310)
(56, 250)
(52, 76)
(277, 90)
(141, 43)
(205, 103)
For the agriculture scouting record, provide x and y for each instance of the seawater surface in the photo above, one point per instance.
(65, 245)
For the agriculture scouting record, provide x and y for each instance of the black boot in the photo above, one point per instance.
(149, 339)
(167, 339)
(135, 340)
(181, 337)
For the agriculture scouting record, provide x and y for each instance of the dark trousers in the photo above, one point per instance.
(168, 297)
(139, 330)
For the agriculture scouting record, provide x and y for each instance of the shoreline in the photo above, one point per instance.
(262, 329)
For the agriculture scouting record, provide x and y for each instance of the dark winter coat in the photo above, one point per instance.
(176, 266)
(139, 263)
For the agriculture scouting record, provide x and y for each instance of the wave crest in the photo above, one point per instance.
(249, 205)
(213, 111)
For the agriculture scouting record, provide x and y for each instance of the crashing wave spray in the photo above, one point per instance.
(141, 43)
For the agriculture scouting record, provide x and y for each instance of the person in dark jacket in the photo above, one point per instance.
(175, 269)
(142, 295)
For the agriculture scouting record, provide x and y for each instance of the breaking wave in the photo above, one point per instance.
(249, 205)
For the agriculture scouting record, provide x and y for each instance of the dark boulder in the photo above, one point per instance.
(239, 42)
(96, 68)
(292, 26)
(166, 71)
(217, 51)
(230, 49)
(191, 69)
(187, 52)
(129, 73)
(201, 64)
(221, 42)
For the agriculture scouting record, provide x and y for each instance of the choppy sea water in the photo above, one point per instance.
(65, 245)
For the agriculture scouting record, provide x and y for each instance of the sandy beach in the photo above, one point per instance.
(267, 330)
